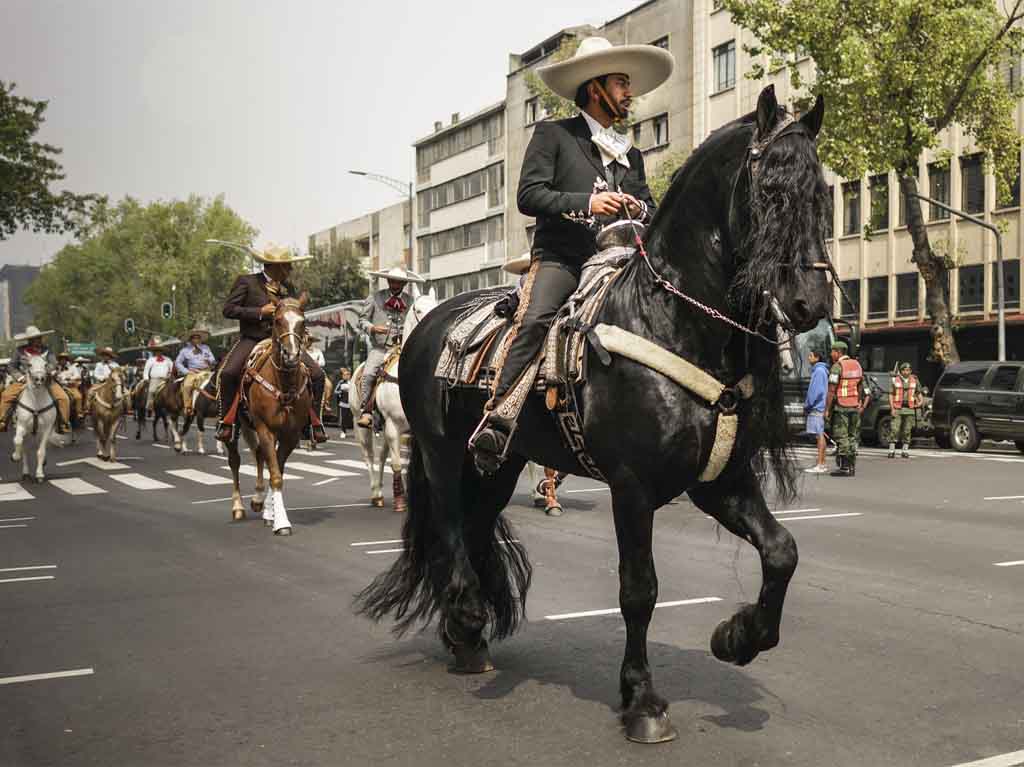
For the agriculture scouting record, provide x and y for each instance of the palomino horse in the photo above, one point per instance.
(389, 402)
(742, 231)
(169, 406)
(109, 406)
(278, 401)
(35, 417)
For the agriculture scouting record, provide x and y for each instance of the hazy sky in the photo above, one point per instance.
(268, 103)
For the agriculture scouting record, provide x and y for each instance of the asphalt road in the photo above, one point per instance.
(200, 642)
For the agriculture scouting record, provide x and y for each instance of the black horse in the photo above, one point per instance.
(744, 215)
(139, 396)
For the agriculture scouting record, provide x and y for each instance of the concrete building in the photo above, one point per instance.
(382, 237)
(15, 314)
(461, 202)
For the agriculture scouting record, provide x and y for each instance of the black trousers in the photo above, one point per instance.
(233, 365)
(556, 279)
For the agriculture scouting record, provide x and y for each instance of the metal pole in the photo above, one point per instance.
(412, 212)
(1001, 299)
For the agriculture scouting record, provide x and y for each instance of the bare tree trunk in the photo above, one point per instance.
(933, 270)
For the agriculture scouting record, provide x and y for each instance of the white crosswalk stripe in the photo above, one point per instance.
(140, 481)
(311, 453)
(357, 465)
(312, 468)
(76, 486)
(97, 463)
(201, 477)
(12, 491)
(250, 471)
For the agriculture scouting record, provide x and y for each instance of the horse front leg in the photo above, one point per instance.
(258, 502)
(112, 440)
(44, 438)
(235, 462)
(644, 711)
(176, 436)
(272, 454)
(739, 505)
(19, 441)
(365, 439)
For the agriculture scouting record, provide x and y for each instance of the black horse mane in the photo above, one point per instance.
(787, 207)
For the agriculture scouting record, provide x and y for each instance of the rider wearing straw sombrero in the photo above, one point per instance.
(69, 376)
(252, 302)
(382, 318)
(33, 347)
(158, 370)
(194, 359)
(575, 171)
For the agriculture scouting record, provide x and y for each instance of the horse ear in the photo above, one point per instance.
(813, 119)
(767, 111)
(303, 299)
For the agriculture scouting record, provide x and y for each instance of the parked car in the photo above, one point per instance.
(876, 421)
(979, 400)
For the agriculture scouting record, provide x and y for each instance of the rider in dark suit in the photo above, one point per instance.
(251, 302)
(574, 171)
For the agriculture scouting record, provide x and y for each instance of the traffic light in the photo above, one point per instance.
(166, 310)
(129, 326)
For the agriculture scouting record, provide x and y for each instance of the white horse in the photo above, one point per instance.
(35, 416)
(389, 402)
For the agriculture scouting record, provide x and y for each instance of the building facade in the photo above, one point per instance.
(15, 314)
(381, 237)
(461, 202)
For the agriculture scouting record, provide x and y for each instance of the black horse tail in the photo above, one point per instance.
(419, 583)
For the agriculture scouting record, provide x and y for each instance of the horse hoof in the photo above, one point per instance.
(238, 515)
(377, 503)
(472, 660)
(553, 511)
(651, 729)
(256, 506)
(400, 506)
(40, 480)
(26, 477)
(283, 531)
(734, 640)
(268, 523)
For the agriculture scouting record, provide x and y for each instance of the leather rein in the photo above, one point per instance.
(284, 397)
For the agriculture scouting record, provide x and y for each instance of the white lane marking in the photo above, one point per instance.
(1013, 563)
(12, 491)
(218, 500)
(76, 486)
(51, 675)
(311, 453)
(1014, 759)
(29, 567)
(96, 462)
(1004, 498)
(162, 447)
(796, 511)
(312, 468)
(140, 481)
(385, 551)
(616, 611)
(375, 543)
(218, 457)
(824, 516)
(335, 506)
(16, 519)
(250, 471)
(30, 578)
(201, 477)
(357, 465)
(325, 481)
(587, 490)
(2, 527)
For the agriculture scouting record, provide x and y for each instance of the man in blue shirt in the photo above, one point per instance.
(194, 361)
(814, 407)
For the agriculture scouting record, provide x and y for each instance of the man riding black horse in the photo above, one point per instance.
(252, 302)
(574, 170)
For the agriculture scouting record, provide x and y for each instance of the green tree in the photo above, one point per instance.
(334, 275)
(895, 74)
(28, 168)
(660, 177)
(127, 264)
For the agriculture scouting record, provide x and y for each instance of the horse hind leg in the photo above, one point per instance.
(393, 440)
(366, 444)
(740, 507)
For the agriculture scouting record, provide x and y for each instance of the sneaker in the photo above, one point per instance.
(816, 469)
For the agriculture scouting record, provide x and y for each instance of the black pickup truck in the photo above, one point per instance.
(979, 400)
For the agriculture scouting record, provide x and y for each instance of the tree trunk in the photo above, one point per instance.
(933, 270)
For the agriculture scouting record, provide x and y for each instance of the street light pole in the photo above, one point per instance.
(399, 186)
(1001, 322)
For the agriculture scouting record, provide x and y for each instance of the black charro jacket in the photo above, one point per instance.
(560, 169)
(248, 295)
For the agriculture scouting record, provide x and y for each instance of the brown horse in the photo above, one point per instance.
(276, 391)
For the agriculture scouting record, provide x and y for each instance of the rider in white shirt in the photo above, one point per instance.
(101, 370)
(157, 371)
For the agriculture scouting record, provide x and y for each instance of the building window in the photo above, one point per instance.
(456, 141)
(938, 189)
(878, 298)
(972, 288)
(724, 66)
(462, 237)
(829, 216)
(637, 131)
(533, 110)
(661, 42)
(972, 184)
(903, 202)
(660, 126)
(906, 295)
(851, 207)
(879, 188)
(1011, 284)
(850, 309)
(1012, 200)
(496, 185)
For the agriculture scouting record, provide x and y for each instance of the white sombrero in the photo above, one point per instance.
(276, 254)
(31, 332)
(520, 265)
(648, 66)
(399, 273)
